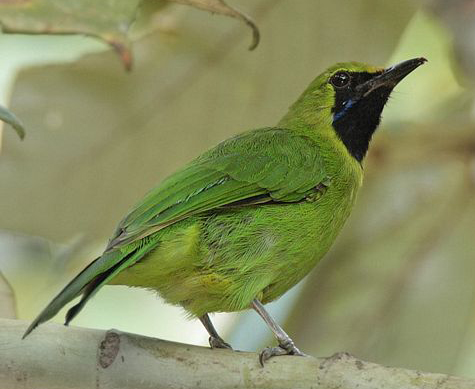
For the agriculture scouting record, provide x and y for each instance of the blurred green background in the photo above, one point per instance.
(398, 286)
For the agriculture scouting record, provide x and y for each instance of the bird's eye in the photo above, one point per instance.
(340, 79)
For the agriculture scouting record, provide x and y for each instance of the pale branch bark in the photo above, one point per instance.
(57, 357)
(7, 299)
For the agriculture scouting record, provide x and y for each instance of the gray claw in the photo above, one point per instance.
(270, 352)
(283, 349)
(218, 343)
(286, 345)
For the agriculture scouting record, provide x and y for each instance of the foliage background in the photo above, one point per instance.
(397, 288)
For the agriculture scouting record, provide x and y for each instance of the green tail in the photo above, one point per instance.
(87, 283)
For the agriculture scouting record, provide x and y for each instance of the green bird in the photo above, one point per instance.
(245, 221)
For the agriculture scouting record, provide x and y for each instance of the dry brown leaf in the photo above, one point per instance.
(221, 8)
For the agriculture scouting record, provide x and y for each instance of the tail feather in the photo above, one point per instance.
(87, 283)
(92, 287)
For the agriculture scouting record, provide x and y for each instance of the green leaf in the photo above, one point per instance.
(11, 119)
(106, 20)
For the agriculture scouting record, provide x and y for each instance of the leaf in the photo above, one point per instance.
(11, 119)
(221, 8)
(106, 20)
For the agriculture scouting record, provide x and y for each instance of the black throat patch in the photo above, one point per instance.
(355, 118)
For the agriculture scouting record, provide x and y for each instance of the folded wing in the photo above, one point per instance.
(267, 165)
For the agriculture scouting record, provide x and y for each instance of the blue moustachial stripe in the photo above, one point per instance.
(348, 104)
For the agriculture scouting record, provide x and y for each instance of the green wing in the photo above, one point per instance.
(266, 165)
(256, 167)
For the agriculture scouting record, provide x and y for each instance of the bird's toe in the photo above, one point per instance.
(219, 343)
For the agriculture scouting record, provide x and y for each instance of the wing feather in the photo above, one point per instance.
(267, 165)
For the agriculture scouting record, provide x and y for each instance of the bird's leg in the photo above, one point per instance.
(286, 344)
(215, 341)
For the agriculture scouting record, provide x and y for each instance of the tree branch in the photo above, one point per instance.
(56, 357)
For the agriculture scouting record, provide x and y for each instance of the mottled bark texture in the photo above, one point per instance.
(56, 357)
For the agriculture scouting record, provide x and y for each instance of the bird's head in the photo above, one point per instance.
(351, 96)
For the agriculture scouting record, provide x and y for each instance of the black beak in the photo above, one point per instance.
(390, 77)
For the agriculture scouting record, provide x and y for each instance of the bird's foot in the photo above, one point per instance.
(218, 343)
(286, 347)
